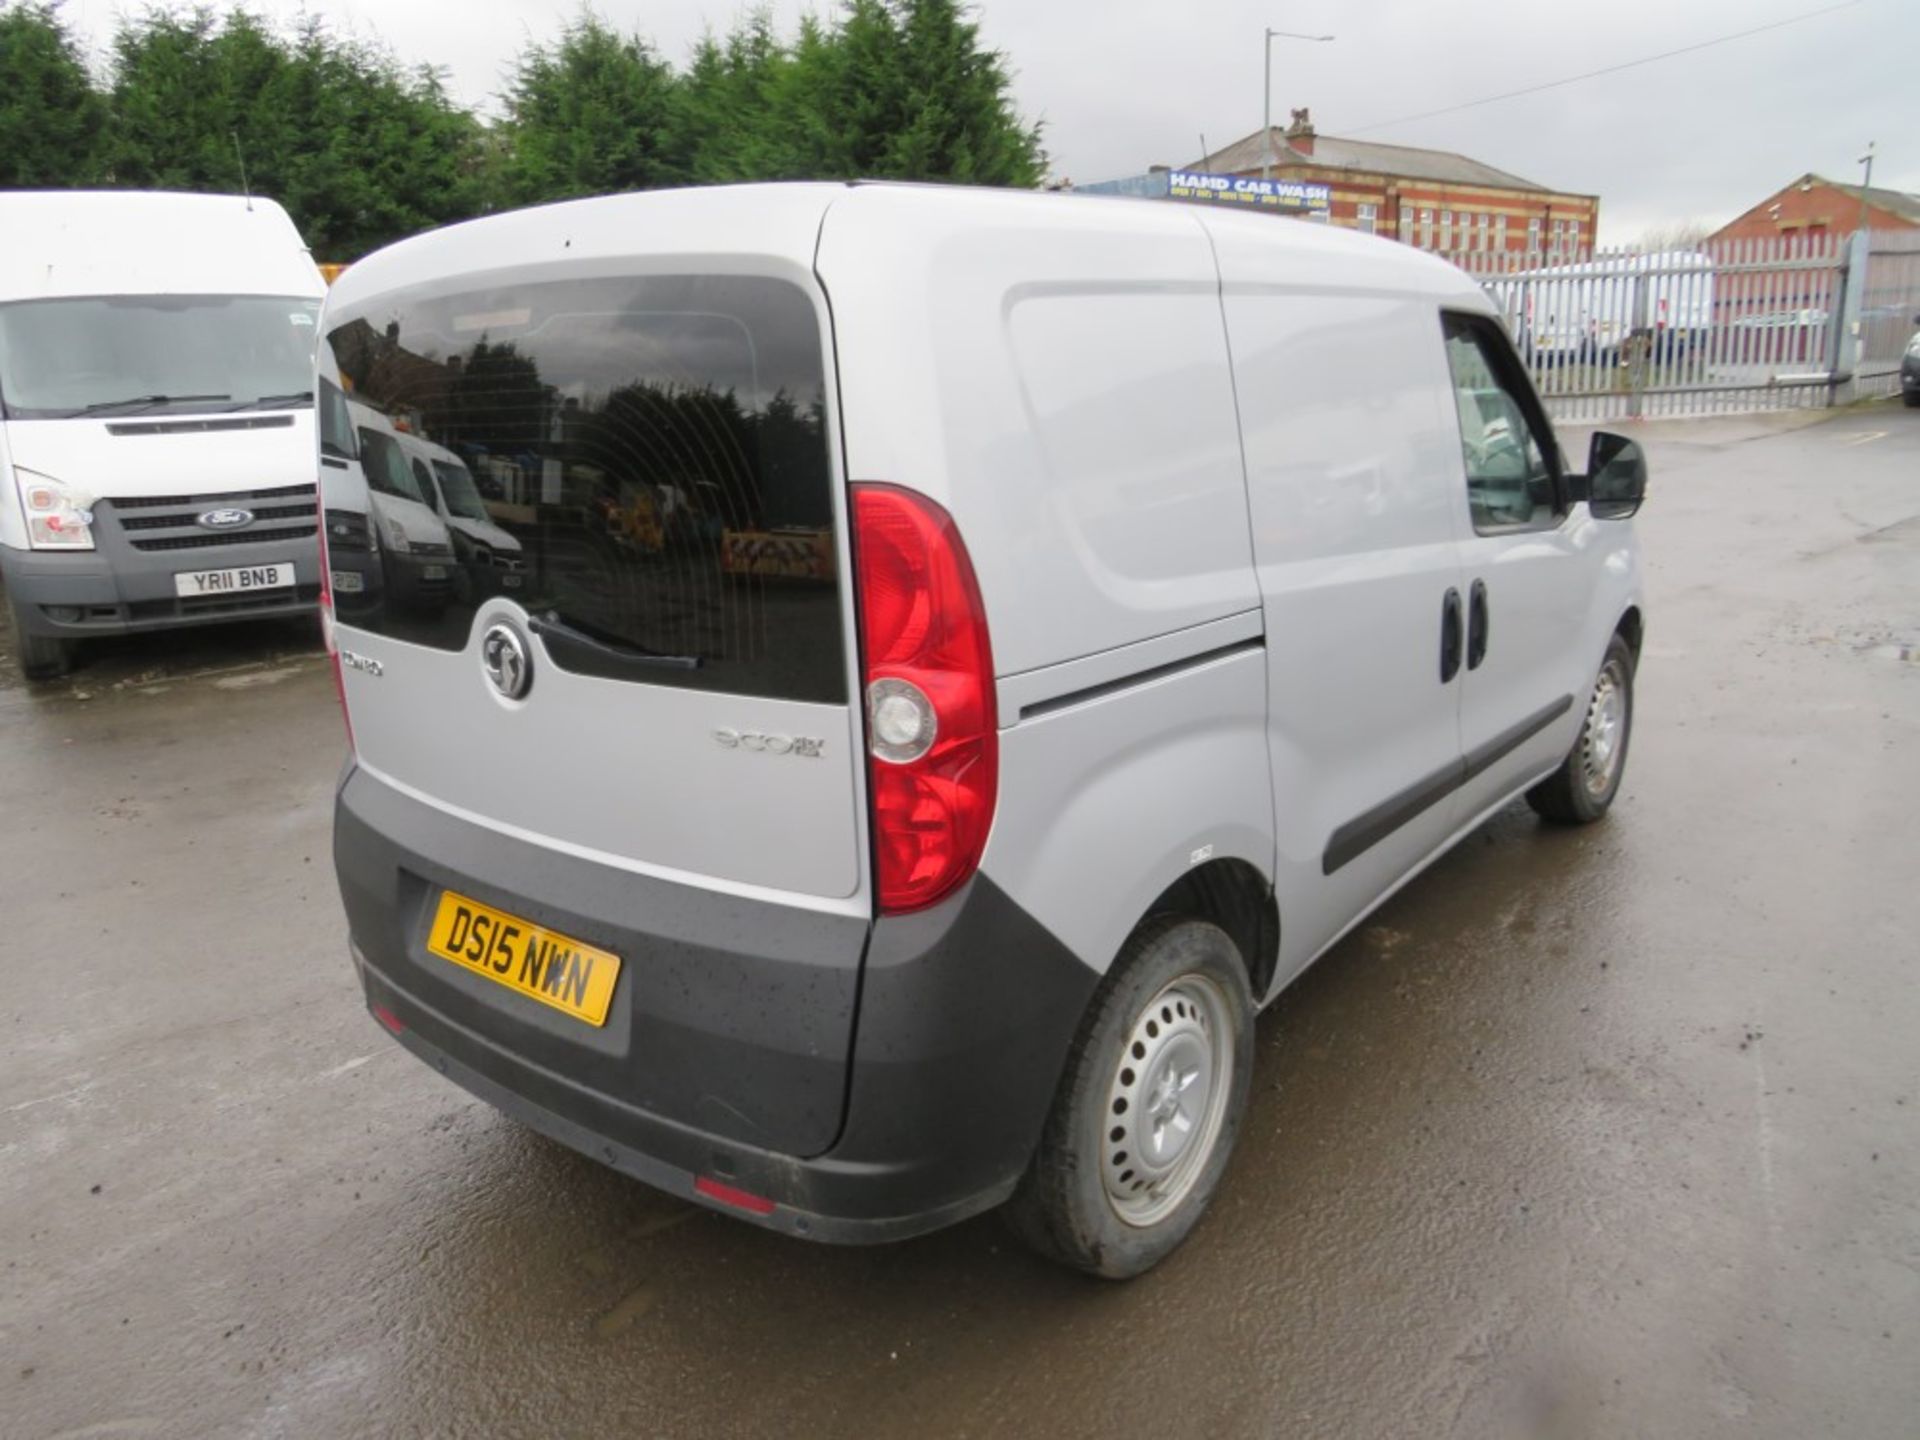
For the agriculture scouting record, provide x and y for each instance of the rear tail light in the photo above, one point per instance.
(326, 631)
(934, 754)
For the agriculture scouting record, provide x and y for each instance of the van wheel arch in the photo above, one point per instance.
(1234, 895)
(1631, 629)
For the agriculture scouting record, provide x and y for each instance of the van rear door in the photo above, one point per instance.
(663, 682)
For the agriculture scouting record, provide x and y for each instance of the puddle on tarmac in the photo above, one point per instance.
(1908, 653)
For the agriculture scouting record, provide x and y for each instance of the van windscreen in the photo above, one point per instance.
(655, 452)
(112, 355)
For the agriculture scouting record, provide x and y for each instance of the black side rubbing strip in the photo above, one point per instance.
(1363, 832)
(1482, 757)
(1140, 677)
(1367, 830)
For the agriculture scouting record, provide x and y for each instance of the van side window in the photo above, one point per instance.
(1511, 460)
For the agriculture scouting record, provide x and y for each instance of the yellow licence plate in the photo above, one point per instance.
(541, 964)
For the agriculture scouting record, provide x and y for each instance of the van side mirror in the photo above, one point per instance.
(1616, 480)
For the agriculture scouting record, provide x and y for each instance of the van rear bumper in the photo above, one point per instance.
(734, 1051)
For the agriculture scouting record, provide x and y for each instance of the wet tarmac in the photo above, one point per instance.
(1612, 1132)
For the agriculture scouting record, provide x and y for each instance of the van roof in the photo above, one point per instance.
(783, 220)
(138, 242)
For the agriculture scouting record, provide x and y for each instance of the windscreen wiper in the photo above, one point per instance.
(551, 627)
(269, 402)
(147, 400)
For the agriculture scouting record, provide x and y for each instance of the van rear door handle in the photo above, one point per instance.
(1477, 625)
(1449, 636)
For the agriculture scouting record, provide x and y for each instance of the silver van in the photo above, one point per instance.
(973, 650)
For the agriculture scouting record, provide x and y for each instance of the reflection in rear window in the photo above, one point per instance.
(650, 456)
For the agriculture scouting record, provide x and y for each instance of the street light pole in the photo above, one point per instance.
(1266, 113)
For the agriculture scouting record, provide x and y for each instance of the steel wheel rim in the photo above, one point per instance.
(1166, 1100)
(1604, 737)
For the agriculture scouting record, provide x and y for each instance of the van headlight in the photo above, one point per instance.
(397, 537)
(58, 516)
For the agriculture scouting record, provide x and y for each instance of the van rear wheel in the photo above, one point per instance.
(1582, 789)
(41, 657)
(1148, 1108)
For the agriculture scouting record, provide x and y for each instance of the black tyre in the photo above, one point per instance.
(1911, 399)
(1582, 789)
(41, 657)
(1149, 1106)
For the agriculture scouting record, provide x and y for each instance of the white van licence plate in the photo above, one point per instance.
(194, 583)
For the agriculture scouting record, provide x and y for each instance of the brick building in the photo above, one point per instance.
(1434, 199)
(1814, 205)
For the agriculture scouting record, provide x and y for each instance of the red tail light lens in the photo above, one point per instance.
(326, 627)
(933, 747)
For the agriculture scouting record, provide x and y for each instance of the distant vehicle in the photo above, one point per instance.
(386, 541)
(1109, 606)
(1779, 336)
(1587, 311)
(156, 415)
(489, 556)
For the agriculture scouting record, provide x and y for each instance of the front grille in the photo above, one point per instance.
(348, 530)
(198, 427)
(243, 499)
(172, 522)
(205, 538)
(265, 512)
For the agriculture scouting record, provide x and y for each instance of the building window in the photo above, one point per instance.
(1366, 218)
(1446, 229)
(1482, 231)
(1500, 232)
(1426, 229)
(1406, 226)
(1533, 235)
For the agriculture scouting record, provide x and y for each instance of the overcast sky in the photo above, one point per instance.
(1122, 84)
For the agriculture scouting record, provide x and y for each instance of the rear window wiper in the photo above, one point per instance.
(552, 627)
(148, 400)
(266, 402)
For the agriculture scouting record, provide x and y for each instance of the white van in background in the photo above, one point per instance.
(1586, 311)
(156, 426)
(488, 555)
(387, 544)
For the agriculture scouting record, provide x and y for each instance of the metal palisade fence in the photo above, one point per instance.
(1773, 323)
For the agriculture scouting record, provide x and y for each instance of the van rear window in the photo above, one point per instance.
(642, 464)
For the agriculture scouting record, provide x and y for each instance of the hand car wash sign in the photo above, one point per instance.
(1297, 197)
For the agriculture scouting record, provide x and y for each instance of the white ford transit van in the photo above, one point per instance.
(156, 422)
(1185, 583)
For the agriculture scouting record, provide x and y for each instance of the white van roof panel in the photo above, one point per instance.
(1297, 254)
(710, 229)
(134, 242)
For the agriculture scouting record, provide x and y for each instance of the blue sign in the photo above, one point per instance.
(1298, 196)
